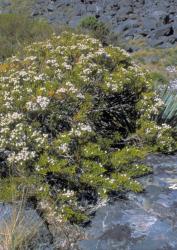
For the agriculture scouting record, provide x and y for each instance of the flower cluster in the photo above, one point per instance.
(21, 157)
(41, 102)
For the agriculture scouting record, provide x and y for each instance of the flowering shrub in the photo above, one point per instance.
(68, 108)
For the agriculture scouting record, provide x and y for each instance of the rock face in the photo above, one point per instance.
(155, 20)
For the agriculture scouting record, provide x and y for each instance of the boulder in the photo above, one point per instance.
(127, 25)
(161, 17)
(165, 30)
(174, 25)
(50, 7)
(156, 42)
(149, 23)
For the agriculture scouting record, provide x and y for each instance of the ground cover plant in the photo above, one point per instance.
(76, 121)
(17, 30)
(161, 62)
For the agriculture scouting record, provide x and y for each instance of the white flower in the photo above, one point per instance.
(66, 66)
(22, 73)
(69, 193)
(171, 69)
(42, 101)
(22, 156)
(63, 147)
(31, 106)
(173, 186)
(79, 95)
(61, 90)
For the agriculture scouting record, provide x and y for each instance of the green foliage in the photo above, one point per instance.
(99, 30)
(16, 29)
(159, 78)
(127, 156)
(156, 61)
(92, 24)
(68, 109)
(160, 137)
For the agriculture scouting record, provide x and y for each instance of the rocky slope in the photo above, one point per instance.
(155, 20)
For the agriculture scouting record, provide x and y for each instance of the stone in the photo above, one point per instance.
(156, 42)
(146, 18)
(166, 30)
(174, 25)
(128, 24)
(50, 7)
(149, 23)
(161, 17)
(138, 222)
(35, 13)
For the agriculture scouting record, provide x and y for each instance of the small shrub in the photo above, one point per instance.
(99, 30)
(92, 24)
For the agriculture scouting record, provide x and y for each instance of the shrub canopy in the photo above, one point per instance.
(75, 123)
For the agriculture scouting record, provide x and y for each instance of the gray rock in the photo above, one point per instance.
(174, 25)
(35, 13)
(149, 23)
(166, 30)
(144, 221)
(128, 24)
(161, 17)
(133, 18)
(50, 7)
(156, 42)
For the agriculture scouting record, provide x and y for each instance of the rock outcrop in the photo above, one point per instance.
(155, 20)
